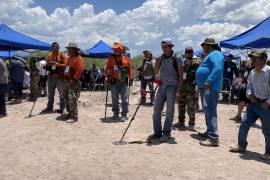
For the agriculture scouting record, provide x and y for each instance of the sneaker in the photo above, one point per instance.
(191, 127)
(46, 110)
(63, 117)
(236, 118)
(72, 119)
(164, 138)
(153, 137)
(203, 134)
(237, 148)
(265, 156)
(209, 143)
(124, 118)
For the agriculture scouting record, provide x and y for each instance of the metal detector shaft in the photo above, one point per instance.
(106, 104)
(133, 117)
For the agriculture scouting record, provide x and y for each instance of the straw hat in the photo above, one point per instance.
(73, 45)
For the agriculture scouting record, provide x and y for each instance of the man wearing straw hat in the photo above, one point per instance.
(119, 73)
(209, 78)
(72, 85)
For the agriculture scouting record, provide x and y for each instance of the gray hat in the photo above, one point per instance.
(73, 45)
(209, 41)
(167, 42)
(258, 53)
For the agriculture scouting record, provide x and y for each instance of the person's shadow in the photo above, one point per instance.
(250, 155)
(197, 137)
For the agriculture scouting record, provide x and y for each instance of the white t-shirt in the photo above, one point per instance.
(42, 64)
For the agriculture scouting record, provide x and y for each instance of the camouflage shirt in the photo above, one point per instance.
(189, 77)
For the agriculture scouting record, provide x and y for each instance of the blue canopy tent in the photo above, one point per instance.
(256, 37)
(7, 54)
(13, 40)
(100, 50)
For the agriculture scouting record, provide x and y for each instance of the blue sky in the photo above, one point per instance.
(118, 6)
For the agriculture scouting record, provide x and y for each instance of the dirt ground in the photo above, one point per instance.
(42, 148)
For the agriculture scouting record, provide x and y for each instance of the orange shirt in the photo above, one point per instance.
(61, 60)
(74, 68)
(112, 70)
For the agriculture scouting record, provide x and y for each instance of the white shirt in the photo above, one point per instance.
(42, 64)
(259, 83)
(26, 80)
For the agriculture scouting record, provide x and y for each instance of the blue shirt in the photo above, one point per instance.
(211, 70)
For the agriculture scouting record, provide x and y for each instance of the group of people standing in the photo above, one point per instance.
(178, 80)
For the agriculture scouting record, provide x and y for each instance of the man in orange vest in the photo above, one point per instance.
(72, 85)
(55, 65)
(119, 72)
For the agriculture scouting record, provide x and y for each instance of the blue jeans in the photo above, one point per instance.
(164, 94)
(253, 112)
(122, 90)
(210, 100)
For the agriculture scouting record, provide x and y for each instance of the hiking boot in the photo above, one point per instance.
(209, 143)
(46, 111)
(265, 156)
(63, 117)
(236, 118)
(116, 116)
(191, 127)
(60, 111)
(3, 115)
(72, 119)
(204, 134)
(164, 138)
(143, 100)
(179, 126)
(237, 148)
(124, 118)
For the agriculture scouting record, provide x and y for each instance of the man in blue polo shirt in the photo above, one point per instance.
(209, 78)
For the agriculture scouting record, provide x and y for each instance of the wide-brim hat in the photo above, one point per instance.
(167, 42)
(118, 47)
(209, 41)
(147, 52)
(258, 53)
(73, 45)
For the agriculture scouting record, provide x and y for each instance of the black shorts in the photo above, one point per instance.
(243, 96)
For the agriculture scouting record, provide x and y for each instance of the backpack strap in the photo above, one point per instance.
(175, 64)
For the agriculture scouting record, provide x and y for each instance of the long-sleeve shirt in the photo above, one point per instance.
(230, 69)
(74, 68)
(259, 83)
(3, 73)
(211, 70)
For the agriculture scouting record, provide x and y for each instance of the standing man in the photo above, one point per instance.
(230, 69)
(55, 65)
(17, 71)
(258, 92)
(209, 78)
(42, 84)
(147, 76)
(3, 88)
(119, 72)
(171, 76)
(188, 97)
(72, 85)
(34, 79)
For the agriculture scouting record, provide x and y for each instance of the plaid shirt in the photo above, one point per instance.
(259, 83)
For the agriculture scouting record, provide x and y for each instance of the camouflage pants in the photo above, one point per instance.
(187, 102)
(34, 86)
(72, 90)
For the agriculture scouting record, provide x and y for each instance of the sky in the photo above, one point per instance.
(138, 24)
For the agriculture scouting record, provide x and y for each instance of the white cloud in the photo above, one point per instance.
(186, 22)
